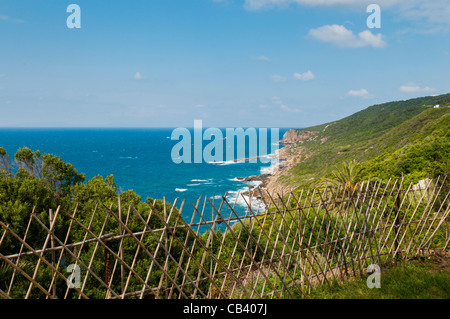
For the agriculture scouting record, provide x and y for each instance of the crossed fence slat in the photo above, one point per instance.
(299, 240)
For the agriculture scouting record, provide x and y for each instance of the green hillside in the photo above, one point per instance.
(410, 137)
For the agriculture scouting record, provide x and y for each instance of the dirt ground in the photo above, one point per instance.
(439, 260)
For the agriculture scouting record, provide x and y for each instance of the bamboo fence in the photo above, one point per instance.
(299, 240)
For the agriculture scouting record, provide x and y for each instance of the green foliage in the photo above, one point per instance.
(346, 176)
(60, 175)
(409, 137)
(6, 272)
(426, 158)
(5, 164)
(42, 182)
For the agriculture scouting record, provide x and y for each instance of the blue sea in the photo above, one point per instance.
(140, 160)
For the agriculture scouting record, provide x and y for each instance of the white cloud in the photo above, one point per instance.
(200, 105)
(340, 36)
(9, 19)
(138, 76)
(363, 93)
(284, 107)
(413, 88)
(433, 15)
(276, 100)
(288, 109)
(307, 76)
(278, 78)
(265, 4)
(367, 38)
(263, 106)
(262, 58)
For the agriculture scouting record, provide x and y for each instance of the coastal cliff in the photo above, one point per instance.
(289, 155)
(296, 135)
(396, 139)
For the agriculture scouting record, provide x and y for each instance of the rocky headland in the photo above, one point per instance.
(287, 156)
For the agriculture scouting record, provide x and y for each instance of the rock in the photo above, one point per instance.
(296, 135)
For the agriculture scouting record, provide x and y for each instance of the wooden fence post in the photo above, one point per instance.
(108, 265)
(397, 203)
(52, 245)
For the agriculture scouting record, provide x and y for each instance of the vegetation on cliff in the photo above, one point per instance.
(38, 183)
(405, 138)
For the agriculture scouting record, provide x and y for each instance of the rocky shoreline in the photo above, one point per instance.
(287, 157)
(266, 182)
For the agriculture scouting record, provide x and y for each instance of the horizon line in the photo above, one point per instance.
(135, 127)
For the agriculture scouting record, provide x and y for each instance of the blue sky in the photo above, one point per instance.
(230, 63)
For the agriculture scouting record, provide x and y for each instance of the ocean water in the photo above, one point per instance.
(140, 160)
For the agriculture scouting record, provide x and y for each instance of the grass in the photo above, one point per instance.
(416, 279)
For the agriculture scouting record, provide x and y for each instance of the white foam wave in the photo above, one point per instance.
(222, 163)
(267, 170)
(272, 169)
(245, 200)
(254, 183)
(180, 189)
(250, 183)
